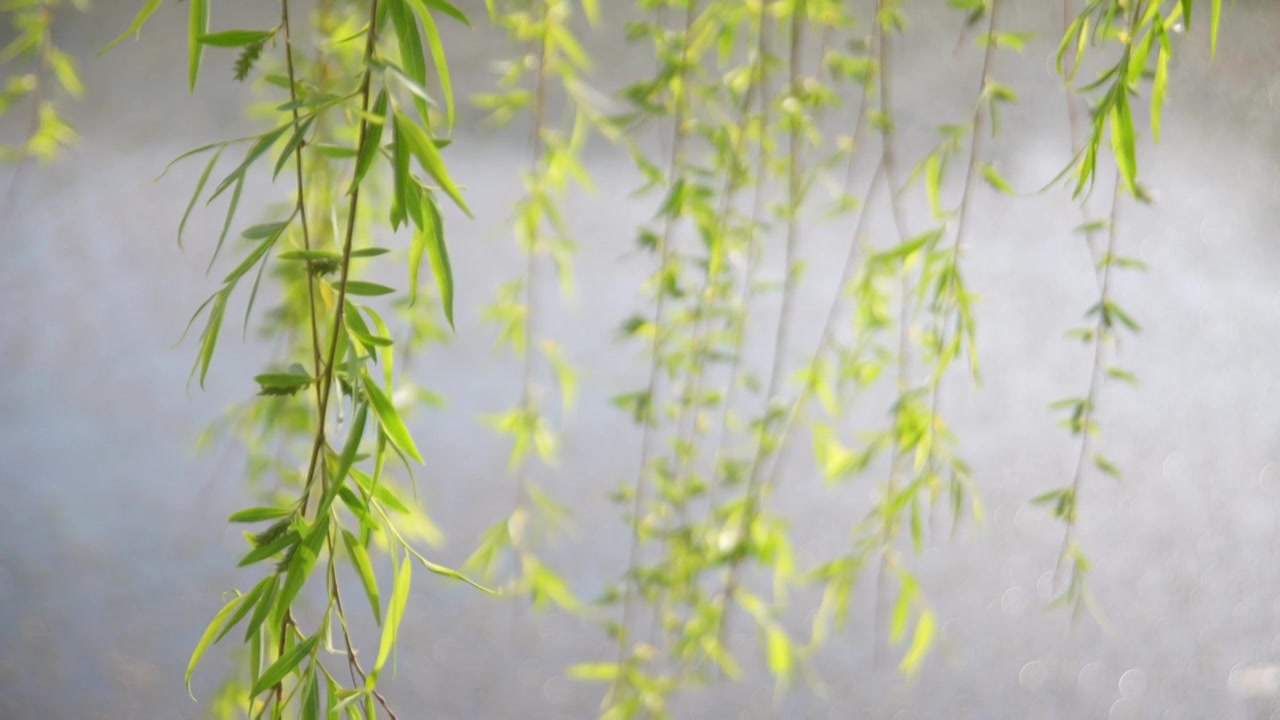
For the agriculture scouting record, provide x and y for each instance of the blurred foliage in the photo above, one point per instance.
(360, 106)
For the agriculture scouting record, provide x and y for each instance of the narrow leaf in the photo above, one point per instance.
(197, 23)
(367, 289)
(209, 633)
(395, 611)
(374, 138)
(431, 239)
(204, 178)
(429, 157)
(258, 514)
(147, 9)
(235, 38)
(360, 558)
(283, 665)
(388, 418)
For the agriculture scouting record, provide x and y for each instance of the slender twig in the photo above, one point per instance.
(782, 331)
(655, 364)
(531, 252)
(352, 661)
(690, 408)
(1095, 382)
(889, 164)
(826, 339)
(302, 195)
(326, 372)
(754, 252)
(952, 290)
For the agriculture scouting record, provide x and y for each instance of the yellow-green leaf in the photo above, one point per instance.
(147, 9)
(395, 612)
(209, 633)
(392, 426)
(921, 643)
(284, 665)
(438, 57)
(429, 157)
(197, 24)
(430, 238)
(360, 558)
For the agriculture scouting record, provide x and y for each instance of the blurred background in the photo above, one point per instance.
(113, 543)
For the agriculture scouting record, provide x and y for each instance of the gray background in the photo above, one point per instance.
(115, 547)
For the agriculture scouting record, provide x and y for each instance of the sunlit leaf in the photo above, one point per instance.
(395, 611)
(370, 147)
(284, 665)
(388, 418)
(360, 558)
(430, 238)
(921, 643)
(367, 289)
(209, 633)
(204, 178)
(258, 514)
(138, 21)
(438, 57)
(197, 23)
(429, 157)
(235, 38)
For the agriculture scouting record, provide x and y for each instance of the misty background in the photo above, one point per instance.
(114, 548)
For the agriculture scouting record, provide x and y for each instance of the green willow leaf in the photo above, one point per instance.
(593, 671)
(303, 562)
(1122, 140)
(1215, 19)
(207, 638)
(298, 135)
(388, 418)
(310, 255)
(429, 157)
(265, 141)
(262, 552)
(134, 27)
(226, 223)
(264, 607)
(283, 666)
(367, 289)
(258, 514)
(265, 230)
(311, 695)
(921, 642)
(251, 259)
(438, 57)
(412, 56)
(372, 141)
(395, 612)
(346, 459)
(246, 604)
(430, 238)
(209, 341)
(400, 153)
(235, 38)
(993, 177)
(204, 178)
(364, 567)
(448, 9)
(1160, 83)
(197, 24)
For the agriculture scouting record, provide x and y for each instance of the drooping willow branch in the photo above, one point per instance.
(648, 415)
